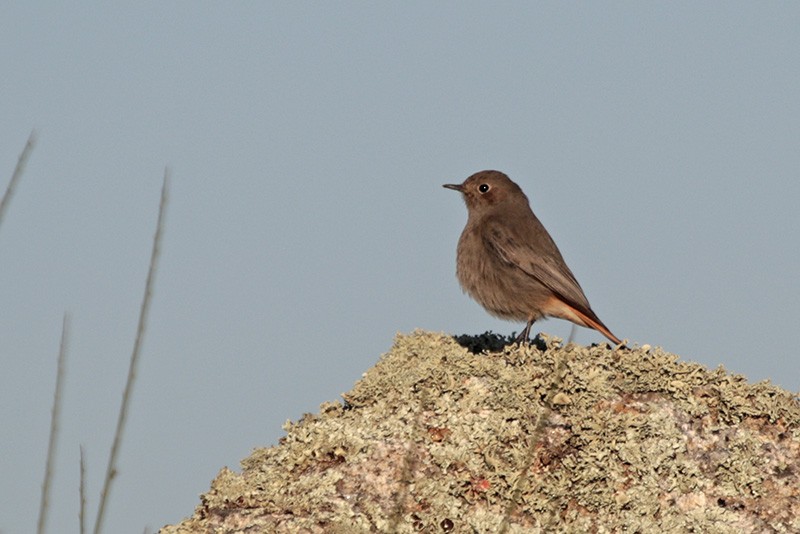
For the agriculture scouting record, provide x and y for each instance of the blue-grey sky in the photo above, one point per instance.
(658, 143)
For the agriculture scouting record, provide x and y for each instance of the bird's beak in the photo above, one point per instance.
(455, 187)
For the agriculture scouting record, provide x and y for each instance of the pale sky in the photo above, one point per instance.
(657, 142)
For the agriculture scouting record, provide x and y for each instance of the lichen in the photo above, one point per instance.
(437, 437)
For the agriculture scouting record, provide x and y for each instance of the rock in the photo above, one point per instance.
(540, 438)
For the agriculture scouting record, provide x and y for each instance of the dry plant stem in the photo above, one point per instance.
(409, 466)
(51, 446)
(111, 471)
(82, 511)
(23, 159)
(572, 332)
(536, 437)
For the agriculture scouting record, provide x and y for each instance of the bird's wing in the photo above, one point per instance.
(546, 266)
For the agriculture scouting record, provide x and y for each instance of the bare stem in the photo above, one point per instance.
(111, 471)
(82, 511)
(536, 437)
(44, 505)
(409, 465)
(23, 159)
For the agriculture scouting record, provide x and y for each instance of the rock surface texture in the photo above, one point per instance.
(542, 438)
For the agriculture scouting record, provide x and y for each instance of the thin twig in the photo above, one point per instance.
(111, 471)
(82, 511)
(535, 439)
(409, 465)
(44, 505)
(23, 159)
(572, 331)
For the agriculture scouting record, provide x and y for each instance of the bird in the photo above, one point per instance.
(507, 261)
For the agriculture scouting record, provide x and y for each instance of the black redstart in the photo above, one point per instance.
(508, 262)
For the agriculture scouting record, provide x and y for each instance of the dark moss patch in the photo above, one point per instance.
(492, 342)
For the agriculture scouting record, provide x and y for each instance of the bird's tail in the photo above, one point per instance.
(558, 308)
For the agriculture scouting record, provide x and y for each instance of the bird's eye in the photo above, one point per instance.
(483, 188)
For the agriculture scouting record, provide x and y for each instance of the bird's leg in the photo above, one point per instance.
(524, 336)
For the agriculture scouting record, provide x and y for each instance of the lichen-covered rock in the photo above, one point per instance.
(541, 438)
